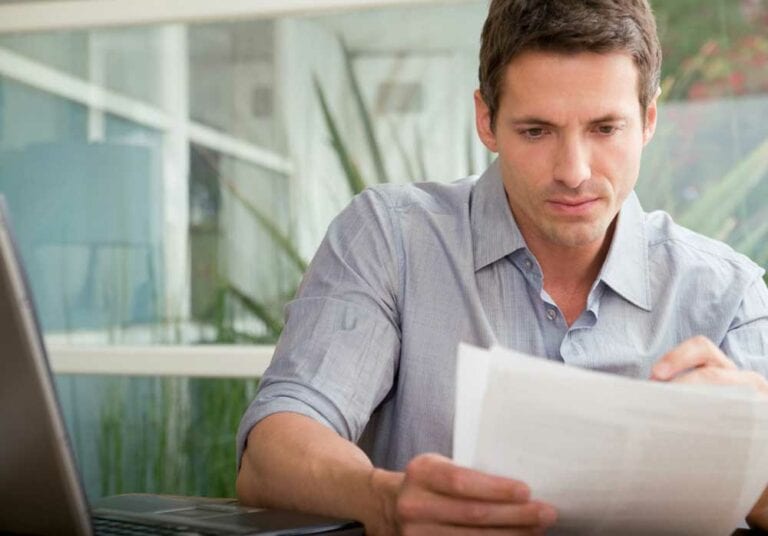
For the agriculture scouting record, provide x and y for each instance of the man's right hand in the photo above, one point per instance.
(439, 497)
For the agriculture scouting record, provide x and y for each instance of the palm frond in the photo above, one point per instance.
(421, 159)
(720, 200)
(365, 116)
(351, 171)
(278, 236)
(273, 324)
(755, 238)
(401, 151)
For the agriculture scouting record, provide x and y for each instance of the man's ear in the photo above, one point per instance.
(483, 123)
(651, 115)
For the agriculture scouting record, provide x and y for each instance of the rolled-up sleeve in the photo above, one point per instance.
(746, 342)
(337, 356)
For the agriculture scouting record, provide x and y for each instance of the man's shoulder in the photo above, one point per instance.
(691, 250)
(405, 212)
(433, 197)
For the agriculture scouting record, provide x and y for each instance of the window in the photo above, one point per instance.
(708, 164)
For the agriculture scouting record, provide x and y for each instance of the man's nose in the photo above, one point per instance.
(572, 166)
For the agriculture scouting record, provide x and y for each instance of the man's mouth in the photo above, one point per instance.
(573, 205)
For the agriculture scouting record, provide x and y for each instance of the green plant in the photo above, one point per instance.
(720, 200)
(350, 168)
(415, 164)
(716, 200)
(351, 171)
(269, 314)
(180, 438)
(139, 447)
(217, 406)
(684, 38)
(227, 303)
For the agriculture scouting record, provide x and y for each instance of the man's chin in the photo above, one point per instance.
(577, 235)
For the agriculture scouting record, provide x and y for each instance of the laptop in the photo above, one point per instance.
(40, 487)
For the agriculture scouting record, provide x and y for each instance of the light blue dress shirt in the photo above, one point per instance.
(407, 272)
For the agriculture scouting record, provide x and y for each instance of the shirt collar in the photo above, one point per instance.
(494, 231)
(495, 235)
(625, 269)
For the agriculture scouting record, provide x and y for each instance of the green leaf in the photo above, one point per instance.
(365, 116)
(258, 309)
(403, 154)
(756, 237)
(716, 206)
(421, 160)
(281, 239)
(351, 171)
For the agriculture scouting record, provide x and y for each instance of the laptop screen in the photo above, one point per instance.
(40, 489)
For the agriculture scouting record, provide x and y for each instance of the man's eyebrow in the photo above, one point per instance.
(609, 118)
(533, 120)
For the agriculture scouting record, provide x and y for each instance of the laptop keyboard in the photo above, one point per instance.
(103, 526)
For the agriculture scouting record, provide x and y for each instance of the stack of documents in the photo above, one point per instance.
(613, 455)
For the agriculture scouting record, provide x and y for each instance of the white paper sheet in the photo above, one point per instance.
(472, 370)
(613, 455)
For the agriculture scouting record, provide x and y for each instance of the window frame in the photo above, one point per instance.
(35, 15)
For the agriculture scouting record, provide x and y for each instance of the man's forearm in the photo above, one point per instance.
(293, 462)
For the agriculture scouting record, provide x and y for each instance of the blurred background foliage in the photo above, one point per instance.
(714, 82)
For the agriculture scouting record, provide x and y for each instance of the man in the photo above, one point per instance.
(548, 252)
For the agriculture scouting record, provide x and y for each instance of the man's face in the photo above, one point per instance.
(569, 133)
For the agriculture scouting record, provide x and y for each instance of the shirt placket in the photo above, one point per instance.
(550, 319)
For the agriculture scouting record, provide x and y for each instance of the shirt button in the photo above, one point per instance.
(551, 314)
(528, 264)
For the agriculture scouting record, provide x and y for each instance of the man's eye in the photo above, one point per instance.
(607, 129)
(533, 133)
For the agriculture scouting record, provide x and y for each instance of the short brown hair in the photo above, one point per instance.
(568, 27)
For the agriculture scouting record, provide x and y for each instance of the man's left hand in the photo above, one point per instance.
(698, 360)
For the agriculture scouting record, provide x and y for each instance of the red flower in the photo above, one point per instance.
(698, 90)
(737, 81)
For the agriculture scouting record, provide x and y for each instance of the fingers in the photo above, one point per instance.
(418, 505)
(440, 475)
(698, 360)
(693, 353)
(720, 376)
(439, 497)
(758, 516)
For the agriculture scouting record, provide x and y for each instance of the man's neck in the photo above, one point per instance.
(569, 272)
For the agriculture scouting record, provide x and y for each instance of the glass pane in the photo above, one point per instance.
(130, 62)
(124, 60)
(89, 239)
(232, 84)
(66, 52)
(243, 270)
(708, 163)
(155, 435)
